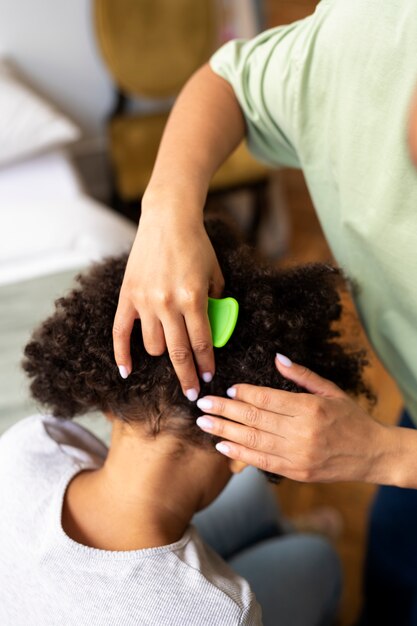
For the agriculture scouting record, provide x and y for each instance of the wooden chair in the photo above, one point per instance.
(151, 48)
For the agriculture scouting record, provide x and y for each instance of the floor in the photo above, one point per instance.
(352, 500)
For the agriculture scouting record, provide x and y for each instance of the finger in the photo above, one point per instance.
(181, 355)
(285, 403)
(245, 435)
(242, 412)
(216, 284)
(153, 334)
(122, 329)
(198, 327)
(263, 461)
(307, 379)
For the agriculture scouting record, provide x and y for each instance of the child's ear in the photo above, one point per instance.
(236, 466)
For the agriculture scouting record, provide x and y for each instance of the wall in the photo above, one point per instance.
(53, 42)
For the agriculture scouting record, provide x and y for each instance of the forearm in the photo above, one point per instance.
(205, 126)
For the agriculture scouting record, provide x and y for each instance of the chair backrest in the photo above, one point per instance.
(152, 47)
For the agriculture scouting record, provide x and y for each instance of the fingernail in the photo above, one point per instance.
(123, 371)
(207, 377)
(284, 360)
(231, 392)
(204, 404)
(223, 448)
(205, 423)
(192, 394)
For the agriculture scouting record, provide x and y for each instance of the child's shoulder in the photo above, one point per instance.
(219, 584)
(27, 431)
(39, 438)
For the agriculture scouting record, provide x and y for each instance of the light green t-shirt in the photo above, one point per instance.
(331, 94)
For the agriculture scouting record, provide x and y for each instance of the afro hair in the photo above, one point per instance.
(70, 361)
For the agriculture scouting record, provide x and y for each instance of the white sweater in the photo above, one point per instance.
(47, 579)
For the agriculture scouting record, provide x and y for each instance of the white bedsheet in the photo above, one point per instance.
(41, 237)
(50, 175)
(47, 223)
(49, 230)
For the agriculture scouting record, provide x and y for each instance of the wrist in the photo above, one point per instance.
(180, 201)
(405, 470)
(395, 458)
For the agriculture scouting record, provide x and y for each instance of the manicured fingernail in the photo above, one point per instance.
(231, 392)
(207, 377)
(204, 404)
(192, 394)
(284, 360)
(223, 448)
(123, 371)
(205, 423)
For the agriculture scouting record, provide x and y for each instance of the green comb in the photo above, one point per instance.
(222, 314)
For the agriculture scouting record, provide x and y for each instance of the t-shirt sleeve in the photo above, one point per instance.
(262, 72)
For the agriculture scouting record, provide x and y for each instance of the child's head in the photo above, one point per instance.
(70, 356)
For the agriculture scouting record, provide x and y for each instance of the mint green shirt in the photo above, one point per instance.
(330, 94)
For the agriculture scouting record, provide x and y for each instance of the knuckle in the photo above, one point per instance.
(220, 406)
(307, 470)
(186, 383)
(190, 298)
(264, 463)
(201, 346)
(237, 453)
(219, 428)
(179, 355)
(263, 398)
(305, 372)
(120, 331)
(251, 416)
(305, 475)
(252, 438)
(163, 299)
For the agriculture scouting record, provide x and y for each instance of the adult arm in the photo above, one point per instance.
(172, 267)
(320, 436)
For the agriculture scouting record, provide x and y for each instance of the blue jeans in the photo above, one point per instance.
(391, 560)
(296, 578)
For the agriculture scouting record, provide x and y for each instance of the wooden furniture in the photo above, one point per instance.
(151, 48)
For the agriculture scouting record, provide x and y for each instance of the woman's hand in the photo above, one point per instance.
(172, 267)
(321, 436)
(170, 272)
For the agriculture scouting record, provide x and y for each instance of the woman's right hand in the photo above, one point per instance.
(171, 270)
(172, 267)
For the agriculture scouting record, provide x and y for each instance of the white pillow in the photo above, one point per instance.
(28, 123)
(47, 236)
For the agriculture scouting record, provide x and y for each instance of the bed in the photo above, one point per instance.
(49, 229)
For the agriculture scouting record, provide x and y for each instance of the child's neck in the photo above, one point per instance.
(145, 495)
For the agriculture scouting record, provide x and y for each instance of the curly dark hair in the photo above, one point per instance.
(70, 355)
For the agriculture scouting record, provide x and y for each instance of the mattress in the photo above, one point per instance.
(38, 237)
(49, 175)
(49, 230)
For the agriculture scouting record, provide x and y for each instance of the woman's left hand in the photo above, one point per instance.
(320, 436)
